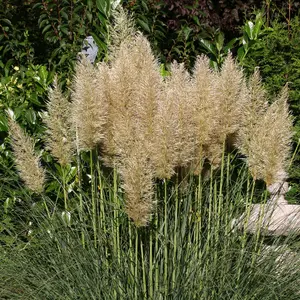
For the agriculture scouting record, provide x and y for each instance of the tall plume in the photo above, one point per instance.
(175, 130)
(270, 141)
(137, 177)
(27, 162)
(89, 107)
(135, 84)
(60, 138)
(230, 97)
(254, 109)
(204, 102)
(122, 30)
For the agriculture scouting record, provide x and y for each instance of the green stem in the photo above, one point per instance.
(94, 216)
(130, 236)
(151, 264)
(46, 206)
(294, 154)
(209, 211)
(79, 174)
(102, 221)
(156, 247)
(175, 233)
(165, 238)
(136, 263)
(116, 217)
(143, 271)
(64, 182)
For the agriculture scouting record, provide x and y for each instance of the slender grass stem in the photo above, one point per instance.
(165, 238)
(175, 234)
(136, 264)
(150, 275)
(294, 154)
(79, 176)
(93, 182)
(102, 220)
(249, 200)
(143, 262)
(64, 182)
(156, 281)
(199, 206)
(131, 250)
(116, 224)
(46, 206)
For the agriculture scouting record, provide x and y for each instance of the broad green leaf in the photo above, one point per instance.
(144, 25)
(46, 28)
(30, 116)
(6, 21)
(43, 73)
(249, 29)
(64, 15)
(103, 6)
(208, 46)
(241, 53)
(220, 41)
(187, 30)
(230, 45)
(144, 4)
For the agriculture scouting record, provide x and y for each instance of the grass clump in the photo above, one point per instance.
(149, 215)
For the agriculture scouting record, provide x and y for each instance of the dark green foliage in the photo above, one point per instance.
(17, 40)
(49, 32)
(178, 28)
(39, 38)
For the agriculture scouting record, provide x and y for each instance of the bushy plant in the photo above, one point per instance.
(143, 219)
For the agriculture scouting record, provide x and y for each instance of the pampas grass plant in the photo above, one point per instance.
(141, 221)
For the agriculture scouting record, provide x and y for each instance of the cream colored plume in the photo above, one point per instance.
(254, 109)
(89, 106)
(229, 98)
(135, 83)
(269, 142)
(137, 177)
(60, 137)
(174, 125)
(204, 104)
(122, 30)
(27, 162)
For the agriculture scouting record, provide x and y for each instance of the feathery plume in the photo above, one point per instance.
(254, 109)
(135, 83)
(175, 131)
(257, 102)
(203, 101)
(121, 30)
(89, 107)
(270, 141)
(137, 177)
(59, 134)
(27, 163)
(230, 97)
